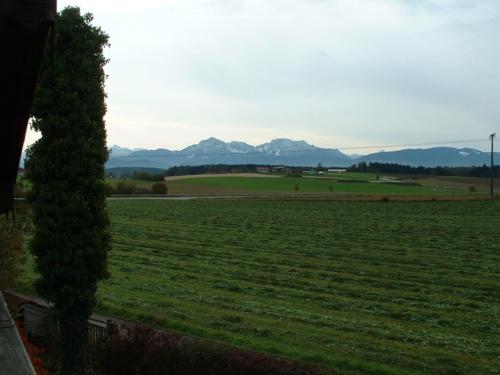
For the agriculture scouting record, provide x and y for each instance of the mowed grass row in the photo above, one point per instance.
(362, 286)
(302, 185)
(380, 288)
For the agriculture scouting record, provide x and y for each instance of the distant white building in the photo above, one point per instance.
(336, 170)
(263, 169)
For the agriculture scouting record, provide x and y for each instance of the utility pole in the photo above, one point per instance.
(492, 171)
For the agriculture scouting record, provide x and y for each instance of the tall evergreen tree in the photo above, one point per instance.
(66, 167)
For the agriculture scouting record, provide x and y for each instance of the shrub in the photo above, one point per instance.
(296, 188)
(472, 189)
(20, 191)
(139, 190)
(110, 190)
(385, 199)
(34, 352)
(11, 251)
(159, 188)
(125, 187)
(330, 188)
(133, 349)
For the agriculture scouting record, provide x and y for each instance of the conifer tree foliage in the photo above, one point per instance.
(66, 167)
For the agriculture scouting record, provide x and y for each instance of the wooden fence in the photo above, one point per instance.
(98, 330)
(39, 323)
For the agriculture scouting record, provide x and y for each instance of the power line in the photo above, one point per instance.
(178, 154)
(417, 144)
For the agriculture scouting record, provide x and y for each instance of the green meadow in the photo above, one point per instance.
(320, 185)
(361, 287)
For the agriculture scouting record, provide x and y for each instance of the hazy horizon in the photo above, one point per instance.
(361, 150)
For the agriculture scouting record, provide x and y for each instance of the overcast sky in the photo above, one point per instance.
(331, 72)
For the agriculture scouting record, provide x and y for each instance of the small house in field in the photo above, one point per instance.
(282, 169)
(36, 320)
(337, 170)
(263, 169)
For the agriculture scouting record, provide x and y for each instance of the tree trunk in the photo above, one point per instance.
(73, 341)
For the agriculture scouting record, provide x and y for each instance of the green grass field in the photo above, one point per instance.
(367, 287)
(331, 184)
(305, 185)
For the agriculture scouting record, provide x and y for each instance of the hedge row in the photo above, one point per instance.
(131, 350)
(126, 187)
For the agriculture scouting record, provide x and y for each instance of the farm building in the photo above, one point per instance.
(282, 169)
(263, 169)
(337, 170)
(35, 319)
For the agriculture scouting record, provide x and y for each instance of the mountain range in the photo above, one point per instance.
(288, 152)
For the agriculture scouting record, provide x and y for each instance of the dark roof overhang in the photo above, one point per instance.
(24, 25)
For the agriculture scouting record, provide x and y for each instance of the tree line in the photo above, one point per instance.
(393, 168)
(213, 168)
(184, 170)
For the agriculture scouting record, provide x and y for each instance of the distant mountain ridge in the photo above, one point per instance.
(288, 152)
(433, 157)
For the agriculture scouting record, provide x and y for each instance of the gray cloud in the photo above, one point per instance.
(332, 72)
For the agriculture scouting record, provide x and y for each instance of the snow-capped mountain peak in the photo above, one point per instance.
(289, 152)
(213, 145)
(239, 147)
(280, 145)
(116, 150)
